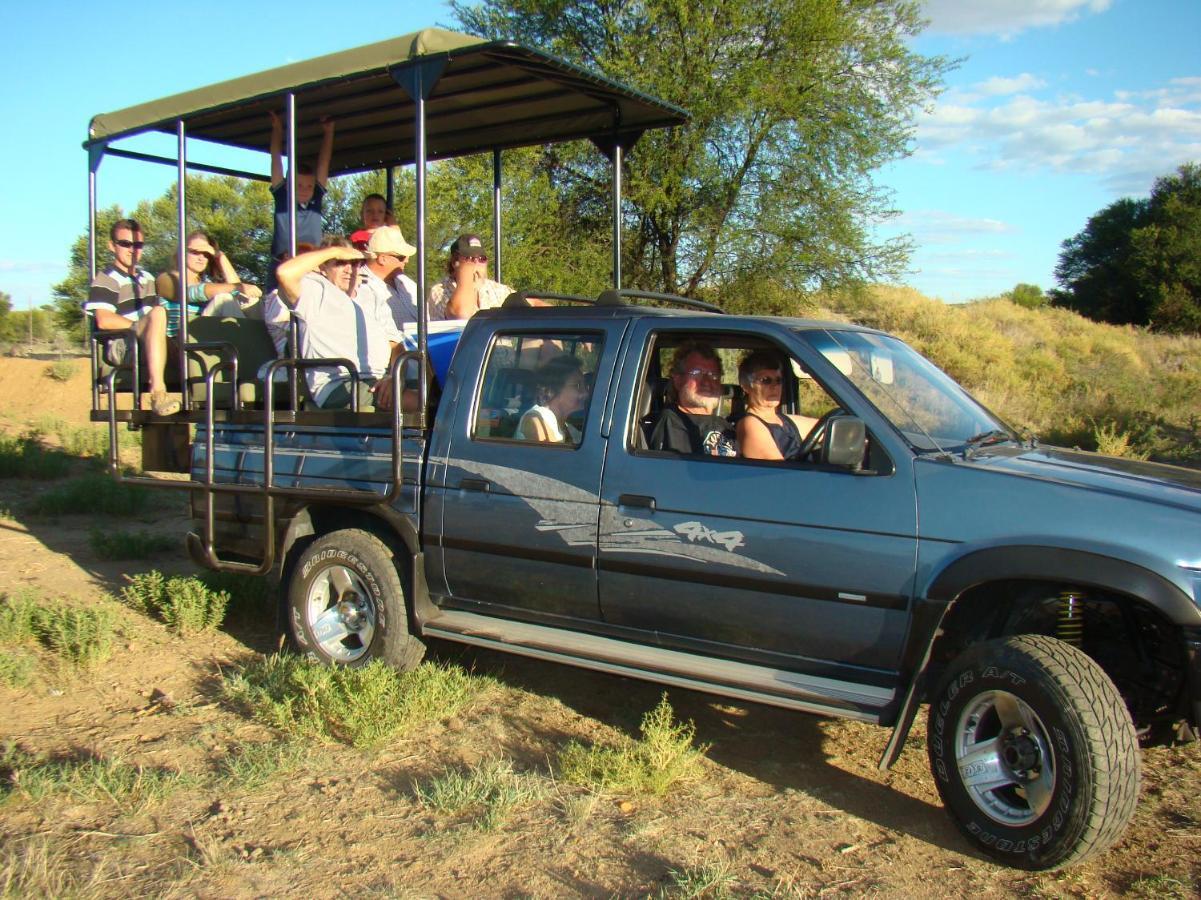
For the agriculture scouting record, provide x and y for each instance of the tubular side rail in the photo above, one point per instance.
(268, 490)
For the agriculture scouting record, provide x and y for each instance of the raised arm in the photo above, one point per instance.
(277, 149)
(291, 272)
(326, 153)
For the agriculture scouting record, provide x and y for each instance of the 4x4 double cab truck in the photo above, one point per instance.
(1043, 602)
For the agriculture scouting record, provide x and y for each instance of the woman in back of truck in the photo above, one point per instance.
(213, 285)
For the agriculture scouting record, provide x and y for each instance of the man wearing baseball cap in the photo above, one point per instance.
(466, 289)
(383, 277)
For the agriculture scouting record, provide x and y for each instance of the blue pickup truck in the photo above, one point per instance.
(1044, 602)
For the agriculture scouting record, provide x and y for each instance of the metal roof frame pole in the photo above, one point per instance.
(418, 82)
(390, 188)
(181, 286)
(95, 156)
(496, 214)
(290, 178)
(617, 215)
(290, 104)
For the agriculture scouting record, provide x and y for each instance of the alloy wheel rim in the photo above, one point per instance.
(1005, 758)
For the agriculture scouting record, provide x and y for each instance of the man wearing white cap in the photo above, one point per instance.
(383, 277)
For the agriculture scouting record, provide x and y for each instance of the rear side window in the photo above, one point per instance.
(537, 388)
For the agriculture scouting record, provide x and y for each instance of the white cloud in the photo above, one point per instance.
(1005, 17)
(936, 226)
(1126, 141)
(995, 87)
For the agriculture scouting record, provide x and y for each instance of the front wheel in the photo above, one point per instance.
(346, 604)
(1033, 752)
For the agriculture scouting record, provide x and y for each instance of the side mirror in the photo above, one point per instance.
(845, 442)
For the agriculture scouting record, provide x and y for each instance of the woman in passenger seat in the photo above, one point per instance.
(562, 390)
(766, 432)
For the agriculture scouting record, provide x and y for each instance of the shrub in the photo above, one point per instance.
(489, 791)
(662, 757)
(184, 604)
(129, 544)
(1113, 442)
(93, 494)
(16, 669)
(78, 636)
(28, 457)
(61, 369)
(362, 706)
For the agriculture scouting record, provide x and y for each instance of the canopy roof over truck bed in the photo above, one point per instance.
(488, 95)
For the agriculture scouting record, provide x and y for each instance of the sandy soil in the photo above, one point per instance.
(789, 806)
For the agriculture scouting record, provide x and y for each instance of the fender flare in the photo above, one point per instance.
(1080, 567)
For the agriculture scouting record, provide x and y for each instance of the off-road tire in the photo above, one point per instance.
(346, 603)
(1005, 711)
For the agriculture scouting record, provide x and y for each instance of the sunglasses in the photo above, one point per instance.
(698, 374)
(768, 380)
(475, 259)
(129, 245)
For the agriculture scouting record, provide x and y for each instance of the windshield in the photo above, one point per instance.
(930, 410)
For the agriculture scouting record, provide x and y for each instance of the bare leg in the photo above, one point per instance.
(152, 331)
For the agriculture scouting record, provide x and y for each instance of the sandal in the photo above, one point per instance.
(164, 405)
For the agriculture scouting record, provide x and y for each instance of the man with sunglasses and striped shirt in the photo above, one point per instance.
(123, 298)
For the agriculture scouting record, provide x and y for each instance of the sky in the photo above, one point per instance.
(1056, 109)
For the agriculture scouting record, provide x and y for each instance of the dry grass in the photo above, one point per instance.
(1070, 380)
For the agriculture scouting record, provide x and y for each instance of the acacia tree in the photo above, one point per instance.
(793, 107)
(1138, 261)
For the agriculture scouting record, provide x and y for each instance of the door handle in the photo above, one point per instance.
(636, 500)
(475, 484)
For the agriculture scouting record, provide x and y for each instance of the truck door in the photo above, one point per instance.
(518, 500)
(786, 564)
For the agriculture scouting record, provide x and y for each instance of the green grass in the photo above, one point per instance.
(363, 707)
(88, 779)
(488, 792)
(80, 637)
(27, 457)
(250, 766)
(708, 880)
(130, 544)
(185, 604)
(94, 494)
(662, 757)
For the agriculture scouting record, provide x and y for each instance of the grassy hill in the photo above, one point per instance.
(1070, 380)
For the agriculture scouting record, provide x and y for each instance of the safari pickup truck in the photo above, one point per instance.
(1043, 602)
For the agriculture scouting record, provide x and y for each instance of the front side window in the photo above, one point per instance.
(537, 388)
(728, 395)
(927, 407)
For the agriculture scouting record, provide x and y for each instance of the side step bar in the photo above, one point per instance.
(756, 684)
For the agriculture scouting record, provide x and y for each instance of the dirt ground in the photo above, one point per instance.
(789, 806)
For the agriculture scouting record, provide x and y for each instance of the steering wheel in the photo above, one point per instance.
(816, 433)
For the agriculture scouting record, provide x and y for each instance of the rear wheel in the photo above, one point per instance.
(346, 604)
(1033, 752)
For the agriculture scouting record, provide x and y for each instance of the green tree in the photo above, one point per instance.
(1166, 252)
(793, 106)
(1138, 261)
(1030, 296)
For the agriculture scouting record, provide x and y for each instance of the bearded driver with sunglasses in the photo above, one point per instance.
(123, 298)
